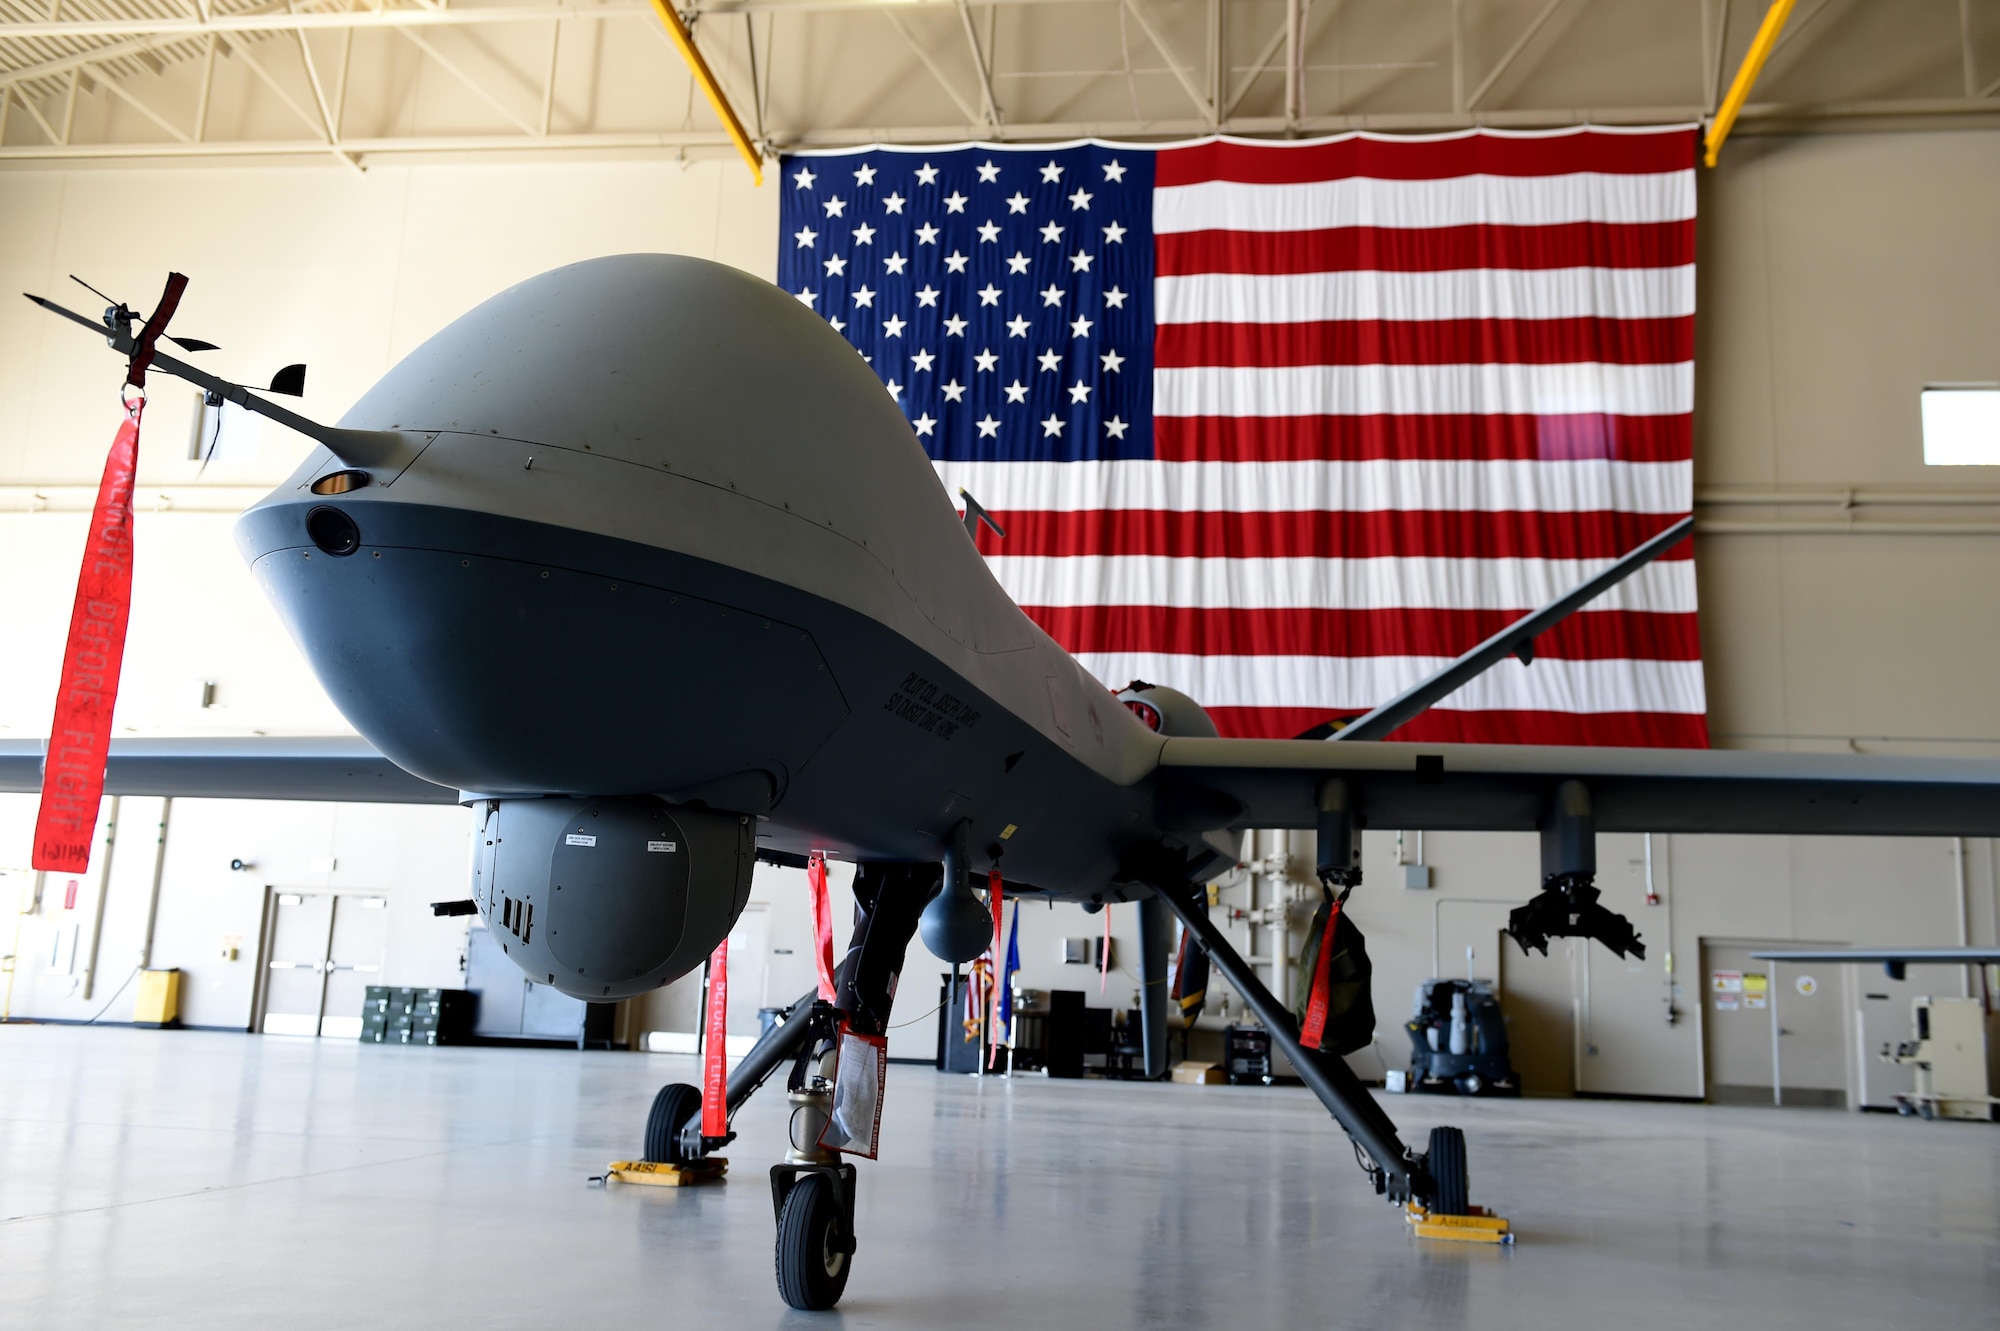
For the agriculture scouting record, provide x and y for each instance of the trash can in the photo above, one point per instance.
(159, 1002)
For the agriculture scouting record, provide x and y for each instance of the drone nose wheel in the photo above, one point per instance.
(815, 1247)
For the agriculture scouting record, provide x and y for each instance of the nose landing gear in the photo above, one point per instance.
(812, 1189)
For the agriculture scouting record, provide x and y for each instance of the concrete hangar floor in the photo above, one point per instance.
(227, 1181)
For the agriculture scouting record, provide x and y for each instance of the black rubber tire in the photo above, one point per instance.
(672, 1109)
(814, 1251)
(1447, 1169)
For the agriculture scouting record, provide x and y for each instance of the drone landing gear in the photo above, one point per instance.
(1397, 1173)
(812, 1189)
(673, 1125)
(1431, 1187)
(1450, 1215)
(673, 1109)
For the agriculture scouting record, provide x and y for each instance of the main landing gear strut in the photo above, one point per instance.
(1434, 1180)
(812, 1189)
(1398, 1173)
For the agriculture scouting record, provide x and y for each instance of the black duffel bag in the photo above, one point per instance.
(1350, 1008)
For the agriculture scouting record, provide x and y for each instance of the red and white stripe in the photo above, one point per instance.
(1405, 391)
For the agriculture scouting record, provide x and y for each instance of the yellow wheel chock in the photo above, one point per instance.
(1482, 1226)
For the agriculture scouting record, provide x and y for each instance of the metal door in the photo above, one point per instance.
(324, 952)
(1772, 1033)
(295, 962)
(1809, 1022)
(353, 962)
(1538, 999)
(1627, 1047)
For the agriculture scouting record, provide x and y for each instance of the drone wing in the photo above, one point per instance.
(1509, 788)
(1567, 795)
(338, 768)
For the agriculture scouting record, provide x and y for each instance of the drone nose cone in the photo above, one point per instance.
(636, 490)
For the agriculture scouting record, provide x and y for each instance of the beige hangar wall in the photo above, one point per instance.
(1839, 274)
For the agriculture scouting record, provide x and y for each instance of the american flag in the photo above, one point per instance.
(1288, 426)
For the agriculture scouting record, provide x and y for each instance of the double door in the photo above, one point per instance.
(322, 951)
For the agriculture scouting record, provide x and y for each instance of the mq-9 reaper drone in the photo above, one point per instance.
(637, 561)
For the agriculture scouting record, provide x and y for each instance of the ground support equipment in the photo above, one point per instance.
(1482, 1226)
(655, 1175)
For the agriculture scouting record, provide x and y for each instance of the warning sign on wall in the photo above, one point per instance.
(1726, 982)
(1756, 991)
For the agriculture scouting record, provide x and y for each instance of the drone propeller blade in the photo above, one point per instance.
(191, 343)
(291, 381)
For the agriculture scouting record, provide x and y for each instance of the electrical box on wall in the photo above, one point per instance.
(1417, 876)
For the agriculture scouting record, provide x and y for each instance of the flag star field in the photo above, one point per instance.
(1003, 297)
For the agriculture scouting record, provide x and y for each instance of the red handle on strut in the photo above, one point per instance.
(1315, 1023)
(715, 1047)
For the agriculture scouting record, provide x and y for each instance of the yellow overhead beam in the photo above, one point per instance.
(1746, 75)
(710, 89)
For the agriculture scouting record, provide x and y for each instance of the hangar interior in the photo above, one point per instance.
(341, 181)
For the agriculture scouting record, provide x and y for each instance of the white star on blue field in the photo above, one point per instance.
(1003, 295)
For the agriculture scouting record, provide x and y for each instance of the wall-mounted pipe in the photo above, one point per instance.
(1964, 912)
(153, 897)
(101, 893)
(1731, 527)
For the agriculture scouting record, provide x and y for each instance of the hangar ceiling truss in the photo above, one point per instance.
(352, 82)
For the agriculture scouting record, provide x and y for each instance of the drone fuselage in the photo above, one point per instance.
(667, 535)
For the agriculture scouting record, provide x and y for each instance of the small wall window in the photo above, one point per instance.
(1962, 425)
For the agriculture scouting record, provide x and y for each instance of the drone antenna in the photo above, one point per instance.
(93, 290)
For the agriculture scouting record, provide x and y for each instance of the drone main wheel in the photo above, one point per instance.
(1446, 1160)
(673, 1109)
(815, 1251)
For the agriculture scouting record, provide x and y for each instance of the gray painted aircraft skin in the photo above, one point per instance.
(645, 524)
(667, 534)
